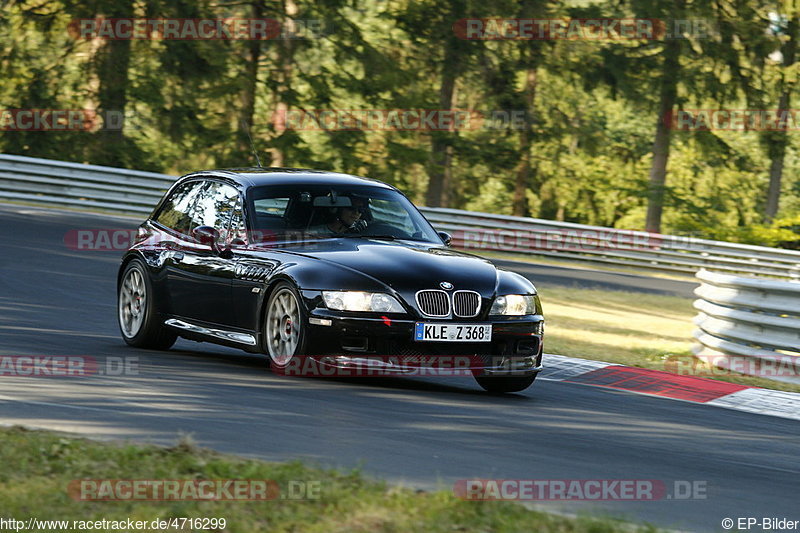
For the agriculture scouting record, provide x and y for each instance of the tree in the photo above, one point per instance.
(430, 25)
(111, 62)
(668, 82)
(778, 141)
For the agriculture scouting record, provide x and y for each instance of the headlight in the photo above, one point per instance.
(377, 302)
(514, 304)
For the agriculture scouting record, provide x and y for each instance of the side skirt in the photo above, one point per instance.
(192, 331)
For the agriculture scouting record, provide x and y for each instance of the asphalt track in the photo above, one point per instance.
(426, 433)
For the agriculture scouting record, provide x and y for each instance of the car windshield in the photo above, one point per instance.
(320, 211)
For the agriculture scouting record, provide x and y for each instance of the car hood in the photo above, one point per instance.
(404, 266)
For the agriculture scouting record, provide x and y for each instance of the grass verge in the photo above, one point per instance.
(635, 329)
(38, 466)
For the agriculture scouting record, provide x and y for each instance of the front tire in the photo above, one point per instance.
(505, 383)
(136, 310)
(285, 329)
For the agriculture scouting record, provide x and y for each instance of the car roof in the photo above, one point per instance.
(257, 176)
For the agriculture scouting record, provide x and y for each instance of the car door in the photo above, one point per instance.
(198, 276)
(173, 226)
(253, 266)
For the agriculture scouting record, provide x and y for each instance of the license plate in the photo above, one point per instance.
(436, 331)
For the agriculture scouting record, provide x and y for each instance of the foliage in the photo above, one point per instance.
(590, 111)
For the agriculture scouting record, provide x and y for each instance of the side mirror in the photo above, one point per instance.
(446, 237)
(206, 235)
(210, 237)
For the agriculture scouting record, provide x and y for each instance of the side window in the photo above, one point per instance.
(200, 203)
(175, 212)
(238, 226)
(214, 207)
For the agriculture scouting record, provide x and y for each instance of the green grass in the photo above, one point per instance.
(636, 329)
(37, 467)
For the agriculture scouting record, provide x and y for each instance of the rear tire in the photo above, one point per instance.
(505, 383)
(136, 310)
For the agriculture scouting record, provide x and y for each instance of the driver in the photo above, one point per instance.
(345, 219)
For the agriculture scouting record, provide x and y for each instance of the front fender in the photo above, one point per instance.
(152, 263)
(311, 276)
(512, 283)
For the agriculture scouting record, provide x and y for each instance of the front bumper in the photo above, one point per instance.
(386, 346)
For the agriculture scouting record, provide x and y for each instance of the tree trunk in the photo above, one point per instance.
(779, 140)
(247, 96)
(658, 169)
(285, 73)
(523, 177)
(111, 67)
(441, 164)
(776, 147)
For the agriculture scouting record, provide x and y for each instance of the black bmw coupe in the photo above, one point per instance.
(338, 270)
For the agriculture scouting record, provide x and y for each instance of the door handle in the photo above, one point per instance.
(177, 256)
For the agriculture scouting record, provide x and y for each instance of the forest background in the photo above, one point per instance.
(600, 128)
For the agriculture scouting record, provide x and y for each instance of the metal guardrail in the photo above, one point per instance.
(749, 325)
(130, 191)
(484, 231)
(73, 184)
